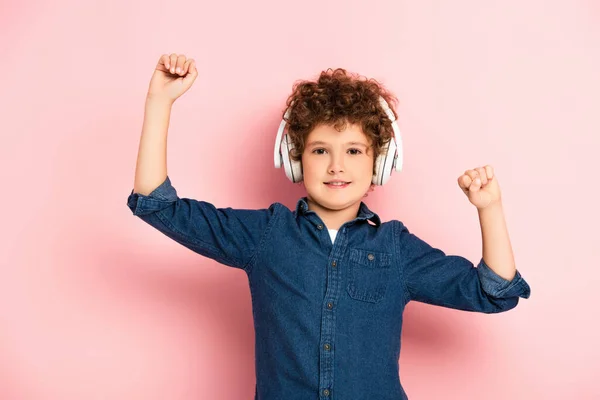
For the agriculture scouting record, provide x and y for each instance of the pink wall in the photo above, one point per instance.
(95, 304)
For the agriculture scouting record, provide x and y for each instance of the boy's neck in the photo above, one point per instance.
(334, 219)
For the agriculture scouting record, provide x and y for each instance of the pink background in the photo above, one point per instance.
(95, 304)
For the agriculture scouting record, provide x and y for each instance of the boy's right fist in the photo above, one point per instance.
(173, 76)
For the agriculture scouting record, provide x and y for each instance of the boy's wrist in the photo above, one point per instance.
(158, 100)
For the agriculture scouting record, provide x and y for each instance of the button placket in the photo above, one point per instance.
(328, 324)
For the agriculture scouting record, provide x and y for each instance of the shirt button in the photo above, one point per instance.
(327, 346)
(333, 263)
(371, 257)
(325, 392)
(319, 227)
(330, 305)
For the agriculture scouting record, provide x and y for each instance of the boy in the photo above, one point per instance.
(329, 281)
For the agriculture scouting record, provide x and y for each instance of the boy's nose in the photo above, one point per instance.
(336, 164)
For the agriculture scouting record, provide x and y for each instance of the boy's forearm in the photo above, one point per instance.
(497, 251)
(151, 166)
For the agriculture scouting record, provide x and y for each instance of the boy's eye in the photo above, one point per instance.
(356, 151)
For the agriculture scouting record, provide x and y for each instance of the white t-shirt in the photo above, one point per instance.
(332, 234)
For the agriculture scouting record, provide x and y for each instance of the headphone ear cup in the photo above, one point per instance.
(384, 163)
(297, 171)
(379, 165)
(293, 169)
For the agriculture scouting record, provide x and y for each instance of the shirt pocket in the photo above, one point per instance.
(368, 274)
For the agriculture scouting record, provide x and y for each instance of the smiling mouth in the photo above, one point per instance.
(337, 184)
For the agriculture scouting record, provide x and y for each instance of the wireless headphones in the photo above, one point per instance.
(389, 158)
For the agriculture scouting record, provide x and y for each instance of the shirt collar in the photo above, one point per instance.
(363, 211)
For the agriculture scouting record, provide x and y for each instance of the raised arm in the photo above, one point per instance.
(174, 75)
(230, 236)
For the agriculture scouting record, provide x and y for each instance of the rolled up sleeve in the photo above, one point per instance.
(160, 197)
(496, 286)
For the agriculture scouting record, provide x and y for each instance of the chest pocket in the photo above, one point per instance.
(368, 274)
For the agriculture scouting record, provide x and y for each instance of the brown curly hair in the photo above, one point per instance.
(337, 98)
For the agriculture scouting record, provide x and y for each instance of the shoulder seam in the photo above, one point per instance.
(250, 264)
(397, 226)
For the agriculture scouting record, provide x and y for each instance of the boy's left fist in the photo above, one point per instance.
(481, 186)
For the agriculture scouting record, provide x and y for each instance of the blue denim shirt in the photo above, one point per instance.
(327, 316)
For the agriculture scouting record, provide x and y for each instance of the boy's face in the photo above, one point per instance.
(337, 158)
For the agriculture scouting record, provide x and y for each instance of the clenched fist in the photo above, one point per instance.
(173, 76)
(481, 186)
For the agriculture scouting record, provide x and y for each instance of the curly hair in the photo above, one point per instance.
(338, 98)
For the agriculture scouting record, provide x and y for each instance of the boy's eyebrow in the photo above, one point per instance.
(316, 142)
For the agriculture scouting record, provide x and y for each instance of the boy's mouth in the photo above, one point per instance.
(336, 184)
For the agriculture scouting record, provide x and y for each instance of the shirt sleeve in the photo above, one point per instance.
(230, 236)
(452, 281)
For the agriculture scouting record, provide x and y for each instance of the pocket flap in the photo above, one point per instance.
(370, 258)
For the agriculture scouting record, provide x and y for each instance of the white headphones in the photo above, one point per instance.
(390, 156)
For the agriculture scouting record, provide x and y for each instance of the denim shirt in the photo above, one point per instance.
(327, 316)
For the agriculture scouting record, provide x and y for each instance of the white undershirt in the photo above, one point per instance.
(332, 234)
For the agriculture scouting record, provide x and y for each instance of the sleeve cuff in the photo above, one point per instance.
(496, 286)
(141, 204)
